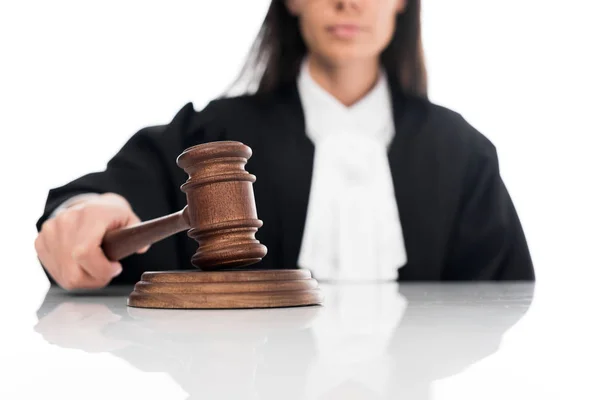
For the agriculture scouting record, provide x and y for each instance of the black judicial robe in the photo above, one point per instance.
(458, 220)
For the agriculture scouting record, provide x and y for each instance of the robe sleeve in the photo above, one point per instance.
(487, 242)
(144, 171)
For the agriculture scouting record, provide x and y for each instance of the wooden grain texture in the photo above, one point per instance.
(221, 217)
(227, 276)
(121, 243)
(226, 289)
(222, 209)
(220, 212)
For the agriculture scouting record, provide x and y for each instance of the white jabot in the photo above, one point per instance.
(352, 230)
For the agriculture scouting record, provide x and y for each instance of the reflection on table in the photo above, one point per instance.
(367, 341)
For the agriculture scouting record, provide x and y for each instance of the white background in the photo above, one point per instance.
(78, 78)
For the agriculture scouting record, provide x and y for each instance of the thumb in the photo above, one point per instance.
(143, 250)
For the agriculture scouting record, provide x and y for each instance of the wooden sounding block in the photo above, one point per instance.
(221, 216)
(225, 289)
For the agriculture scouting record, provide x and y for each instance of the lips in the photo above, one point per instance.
(344, 31)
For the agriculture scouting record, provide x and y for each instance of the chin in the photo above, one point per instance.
(343, 54)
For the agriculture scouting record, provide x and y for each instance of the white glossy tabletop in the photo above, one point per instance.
(385, 341)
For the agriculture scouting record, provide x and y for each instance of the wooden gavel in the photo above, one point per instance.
(220, 213)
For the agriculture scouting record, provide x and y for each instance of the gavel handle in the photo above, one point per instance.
(123, 242)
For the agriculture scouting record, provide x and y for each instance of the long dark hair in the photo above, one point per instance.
(277, 53)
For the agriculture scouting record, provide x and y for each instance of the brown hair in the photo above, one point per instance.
(279, 49)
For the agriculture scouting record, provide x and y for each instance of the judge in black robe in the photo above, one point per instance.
(458, 220)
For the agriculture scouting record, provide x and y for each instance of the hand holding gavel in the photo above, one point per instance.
(81, 247)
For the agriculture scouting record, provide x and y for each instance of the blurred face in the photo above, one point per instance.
(341, 31)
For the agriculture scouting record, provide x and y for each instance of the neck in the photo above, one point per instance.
(349, 82)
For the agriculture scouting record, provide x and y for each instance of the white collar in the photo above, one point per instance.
(324, 114)
(352, 229)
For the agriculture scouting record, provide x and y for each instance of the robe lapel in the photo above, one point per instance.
(292, 160)
(400, 159)
(416, 185)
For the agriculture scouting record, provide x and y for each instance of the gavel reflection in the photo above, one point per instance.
(220, 213)
(211, 354)
(295, 353)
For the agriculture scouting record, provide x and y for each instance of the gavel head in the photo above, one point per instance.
(221, 208)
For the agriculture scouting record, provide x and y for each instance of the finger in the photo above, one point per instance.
(74, 277)
(92, 260)
(133, 219)
(71, 276)
(43, 244)
(44, 256)
(116, 217)
(97, 222)
(88, 253)
(129, 218)
(40, 247)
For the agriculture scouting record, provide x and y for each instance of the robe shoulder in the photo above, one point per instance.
(430, 121)
(447, 127)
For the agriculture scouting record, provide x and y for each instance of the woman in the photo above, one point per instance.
(360, 177)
